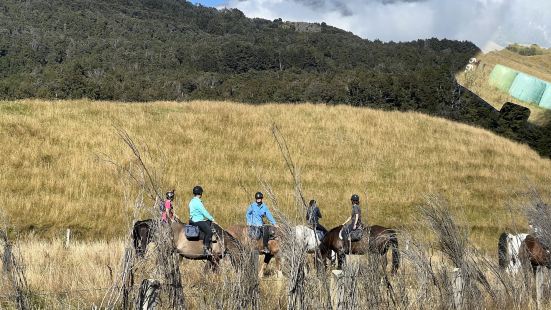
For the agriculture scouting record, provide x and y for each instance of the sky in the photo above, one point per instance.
(487, 23)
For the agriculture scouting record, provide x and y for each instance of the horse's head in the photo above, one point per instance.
(232, 247)
(142, 233)
(331, 240)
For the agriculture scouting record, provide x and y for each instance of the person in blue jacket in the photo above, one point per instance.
(255, 214)
(200, 217)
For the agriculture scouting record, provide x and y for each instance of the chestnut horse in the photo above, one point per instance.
(242, 234)
(376, 239)
(534, 252)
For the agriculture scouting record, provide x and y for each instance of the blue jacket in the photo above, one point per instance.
(256, 212)
(197, 211)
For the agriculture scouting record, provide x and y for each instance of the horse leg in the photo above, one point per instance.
(212, 264)
(279, 274)
(215, 264)
(384, 261)
(267, 258)
(341, 260)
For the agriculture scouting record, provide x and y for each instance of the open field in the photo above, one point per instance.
(477, 81)
(82, 275)
(57, 173)
(54, 174)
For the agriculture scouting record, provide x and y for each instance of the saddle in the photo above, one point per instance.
(355, 235)
(193, 233)
(319, 234)
(255, 232)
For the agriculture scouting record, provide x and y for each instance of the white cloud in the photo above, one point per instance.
(484, 22)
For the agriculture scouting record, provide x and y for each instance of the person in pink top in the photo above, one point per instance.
(167, 214)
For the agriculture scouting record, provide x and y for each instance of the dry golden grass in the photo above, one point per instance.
(51, 178)
(59, 276)
(80, 276)
(477, 81)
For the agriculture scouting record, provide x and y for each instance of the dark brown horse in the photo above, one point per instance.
(142, 234)
(376, 239)
(241, 233)
(534, 252)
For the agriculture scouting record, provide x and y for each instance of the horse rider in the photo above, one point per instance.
(200, 217)
(354, 222)
(167, 214)
(255, 214)
(313, 214)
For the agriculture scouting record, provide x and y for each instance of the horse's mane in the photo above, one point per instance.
(147, 223)
(338, 228)
(221, 231)
(144, 222)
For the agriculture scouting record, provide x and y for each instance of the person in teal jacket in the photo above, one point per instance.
(200, 217)
(255, 214)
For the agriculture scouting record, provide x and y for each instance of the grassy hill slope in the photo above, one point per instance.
(54, 176)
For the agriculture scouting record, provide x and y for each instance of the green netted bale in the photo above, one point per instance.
(502, 77)
(527, 88)
(545, 101)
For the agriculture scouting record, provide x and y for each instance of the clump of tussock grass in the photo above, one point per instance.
(538, 212)
(481, 278)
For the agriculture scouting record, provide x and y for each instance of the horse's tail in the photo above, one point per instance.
(393, 240)
(135, 239)
(502, 254)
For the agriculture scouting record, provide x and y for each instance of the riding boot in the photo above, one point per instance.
(265, 239)
(207, 249)
(346, 245)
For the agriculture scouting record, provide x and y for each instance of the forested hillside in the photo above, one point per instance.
(173, 50)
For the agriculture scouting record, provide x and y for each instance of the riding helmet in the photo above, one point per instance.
(355, 198)
(258, 195)
(197, 190)
(170, 195)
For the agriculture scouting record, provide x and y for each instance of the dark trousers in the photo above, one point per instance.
(261, 231)
(266, 231)
(346, 231)
(204, 226)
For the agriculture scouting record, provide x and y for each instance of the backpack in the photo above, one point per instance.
(162, 206)
(356, 235)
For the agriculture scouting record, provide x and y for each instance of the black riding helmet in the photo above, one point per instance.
(258, 195)
(197, 190)
(355, 198)
(170, 195)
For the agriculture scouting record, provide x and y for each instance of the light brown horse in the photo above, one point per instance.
(223, 243)
(376, 239)
(532, 251)
(241, 233)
